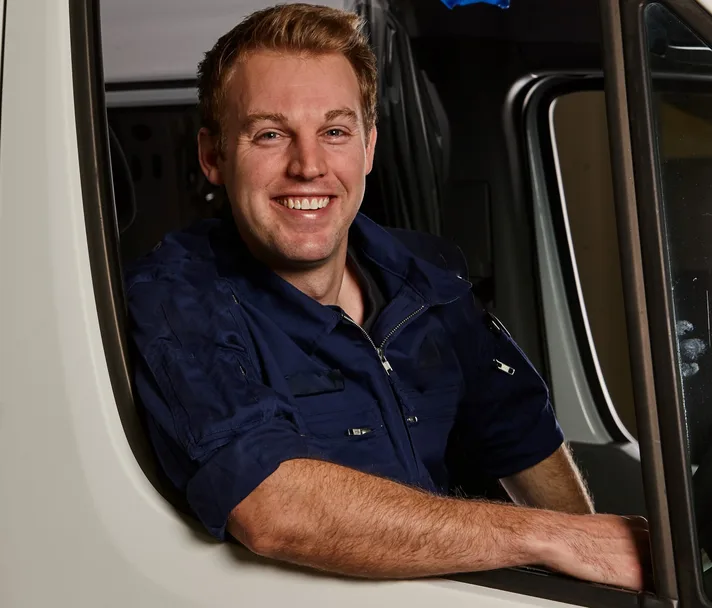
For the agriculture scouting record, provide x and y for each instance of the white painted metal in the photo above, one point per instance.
(80, 525)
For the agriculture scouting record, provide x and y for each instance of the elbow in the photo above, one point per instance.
(271, 526)
(265, 543)
(259, 535)
(263, 528)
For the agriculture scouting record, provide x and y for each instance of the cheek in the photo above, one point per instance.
(349, 165)
(254, 173)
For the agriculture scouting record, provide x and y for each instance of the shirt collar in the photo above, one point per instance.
(433, 284)
(304, 319)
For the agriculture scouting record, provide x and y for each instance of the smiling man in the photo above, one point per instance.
(315, 388)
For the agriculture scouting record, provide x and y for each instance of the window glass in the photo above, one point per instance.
(683, 121)
(580, 135)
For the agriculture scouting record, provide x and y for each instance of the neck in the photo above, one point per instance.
(324, 282)
(332, 283)
(329, 283)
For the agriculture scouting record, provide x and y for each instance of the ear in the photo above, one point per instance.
(371, 149)
(209, 157)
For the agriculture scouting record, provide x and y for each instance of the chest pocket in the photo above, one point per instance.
(432, 386)
(344, 424)
(432, 368)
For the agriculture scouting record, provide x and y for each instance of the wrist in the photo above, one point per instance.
(543, 539)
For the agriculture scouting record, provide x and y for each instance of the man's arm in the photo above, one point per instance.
(332, 518)
(555, 483)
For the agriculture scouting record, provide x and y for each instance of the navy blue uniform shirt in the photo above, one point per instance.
(238, 371)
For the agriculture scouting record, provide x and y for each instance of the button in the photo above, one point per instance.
(412, 420)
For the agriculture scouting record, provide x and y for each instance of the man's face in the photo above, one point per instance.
(296, 155)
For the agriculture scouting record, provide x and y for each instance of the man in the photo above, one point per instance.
(317, 390)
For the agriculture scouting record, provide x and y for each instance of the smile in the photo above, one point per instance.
(304, 203)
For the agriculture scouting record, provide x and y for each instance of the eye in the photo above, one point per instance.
(268, 136)
(335, 133)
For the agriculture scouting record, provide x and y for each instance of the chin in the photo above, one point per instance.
(308, 253)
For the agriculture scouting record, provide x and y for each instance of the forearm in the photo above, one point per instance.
(344, 521)
(554, 483)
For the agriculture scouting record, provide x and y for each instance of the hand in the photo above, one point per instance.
(606, 549)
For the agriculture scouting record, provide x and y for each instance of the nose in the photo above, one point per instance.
(307, 161)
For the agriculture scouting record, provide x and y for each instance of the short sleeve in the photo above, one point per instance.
(217, 431)
(507, 423)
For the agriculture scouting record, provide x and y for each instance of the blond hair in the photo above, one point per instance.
(296, 28)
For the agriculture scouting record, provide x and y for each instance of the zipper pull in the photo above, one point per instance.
(503, 367)
(359, 432)
(384, 362)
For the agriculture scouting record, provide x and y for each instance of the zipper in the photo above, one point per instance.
(381, 356)
(380, 350)
(390, 334)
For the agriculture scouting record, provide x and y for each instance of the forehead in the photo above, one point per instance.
(299, 86)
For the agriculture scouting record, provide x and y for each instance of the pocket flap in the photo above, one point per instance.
(303, 384)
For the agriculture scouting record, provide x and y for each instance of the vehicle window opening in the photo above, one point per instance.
(159, 142)
(587, 198)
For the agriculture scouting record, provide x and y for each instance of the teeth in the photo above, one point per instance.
(305, 203)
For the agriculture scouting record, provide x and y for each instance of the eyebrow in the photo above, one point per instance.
(347, 113)
(252, 119)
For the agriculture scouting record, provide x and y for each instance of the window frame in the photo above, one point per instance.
(631, 105)
(102, 226)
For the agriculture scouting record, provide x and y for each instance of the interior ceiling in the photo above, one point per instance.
(148, 40)
(151, 40)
